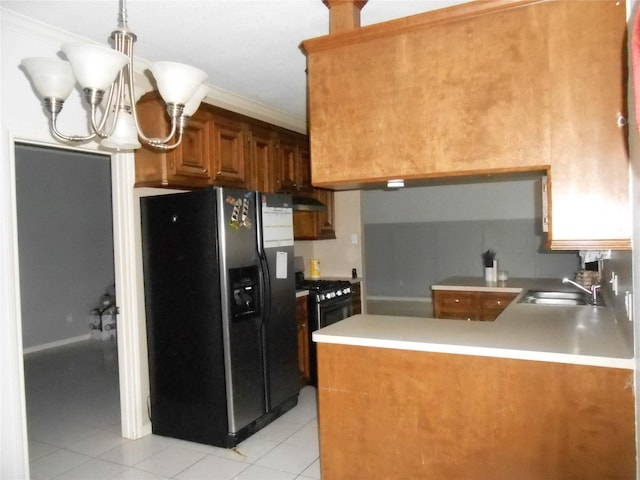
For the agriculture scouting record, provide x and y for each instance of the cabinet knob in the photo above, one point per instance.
(621, 121)
(457, 300)
(499, 303)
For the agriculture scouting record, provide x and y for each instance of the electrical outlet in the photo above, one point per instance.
(69, 318)
(354, 239)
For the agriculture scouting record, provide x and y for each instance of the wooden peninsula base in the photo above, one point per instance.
(400, 414)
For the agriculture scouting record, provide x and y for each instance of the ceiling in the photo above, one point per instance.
(249, 48)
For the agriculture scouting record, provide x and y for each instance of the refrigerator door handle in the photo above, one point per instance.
(266, 287)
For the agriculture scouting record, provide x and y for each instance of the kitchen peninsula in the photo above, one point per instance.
(542, 392)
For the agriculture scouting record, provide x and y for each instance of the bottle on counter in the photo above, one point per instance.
(315, 268)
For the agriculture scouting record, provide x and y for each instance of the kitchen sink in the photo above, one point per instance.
(541, 297)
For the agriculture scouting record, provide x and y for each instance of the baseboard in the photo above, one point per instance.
(58, 343)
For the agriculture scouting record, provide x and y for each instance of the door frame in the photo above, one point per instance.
(126, 253)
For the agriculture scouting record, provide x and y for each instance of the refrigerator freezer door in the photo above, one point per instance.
(242, 333)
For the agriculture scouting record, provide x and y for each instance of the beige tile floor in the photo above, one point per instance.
(73, 414)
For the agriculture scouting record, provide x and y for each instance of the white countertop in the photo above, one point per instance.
(565, 334)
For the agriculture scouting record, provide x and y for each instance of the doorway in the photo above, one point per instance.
(66, 257)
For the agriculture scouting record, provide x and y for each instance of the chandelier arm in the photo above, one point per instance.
(161, 144)
(53, 118)
(174, 113)
(108, 111)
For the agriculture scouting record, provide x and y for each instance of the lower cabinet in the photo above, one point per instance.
(470, 305)
(302, 322)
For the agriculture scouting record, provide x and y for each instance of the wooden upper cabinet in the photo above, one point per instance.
(294, 165)
(480, 88)
(325, 219)
(589, 197)
(262, 154)
(185, 166)
(228, 149)
(228, 165)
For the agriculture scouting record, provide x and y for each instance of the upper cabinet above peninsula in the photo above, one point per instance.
(482, 88)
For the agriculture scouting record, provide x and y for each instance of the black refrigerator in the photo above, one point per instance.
(220, 312)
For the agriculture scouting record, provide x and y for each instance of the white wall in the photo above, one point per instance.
(65, 232)
(22, 120)
(337, 257)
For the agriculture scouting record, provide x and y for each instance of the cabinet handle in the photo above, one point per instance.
(621, 121)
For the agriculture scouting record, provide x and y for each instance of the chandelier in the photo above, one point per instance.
(99, 68)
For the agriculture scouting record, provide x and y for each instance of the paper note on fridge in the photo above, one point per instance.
(277, 227)
(281, 264)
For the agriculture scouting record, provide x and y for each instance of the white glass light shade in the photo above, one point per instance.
(125, 135)
(94, 66)
(50, 77)
(177, 82)
(192, 105)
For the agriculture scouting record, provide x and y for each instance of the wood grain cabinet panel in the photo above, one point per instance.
(302, 323)
(493, 304)
(229, 159)
(262, 153)
(185, 166)
(455, 305)
(385, 413)
(470, 305)
(495, 87)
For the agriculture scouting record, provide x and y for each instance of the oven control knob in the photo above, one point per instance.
(338, 293)
(331, 294)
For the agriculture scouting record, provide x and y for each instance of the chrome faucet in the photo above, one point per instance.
(593, 291)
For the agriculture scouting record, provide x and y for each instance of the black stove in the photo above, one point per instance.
(329, 302)
(325, 290)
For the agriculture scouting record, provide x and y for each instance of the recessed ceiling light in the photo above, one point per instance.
(395, 183)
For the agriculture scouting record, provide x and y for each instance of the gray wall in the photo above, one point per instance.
(65, 240)
(416, 237)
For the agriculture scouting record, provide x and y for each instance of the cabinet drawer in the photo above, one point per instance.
(456, 315)
(493, 301)
(456, 301)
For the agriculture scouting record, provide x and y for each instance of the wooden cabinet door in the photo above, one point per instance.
(302, 322)
(262, 159)
(492, 304)
(185, 166)
(191, 158)
(455, 304)
(325, 219)
(294, 164)
(287, 163)
(228, 166)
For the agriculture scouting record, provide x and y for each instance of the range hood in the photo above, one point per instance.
(307, 204)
